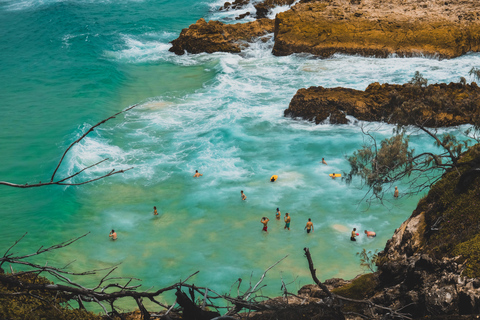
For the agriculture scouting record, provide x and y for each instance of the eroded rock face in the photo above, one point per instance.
(262, 8)
(426, 286)
(436, 105)
(379, 28)
(215, 36)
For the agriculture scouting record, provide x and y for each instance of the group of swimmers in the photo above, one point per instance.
(287, 219)
(370, 234)
(309, 226)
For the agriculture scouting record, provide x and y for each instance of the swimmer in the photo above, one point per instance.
(272, 179)
(278, 214)
(155, 213)
(244, 197)
(333, 175)
(324, 162)
(370, 234)
(309, 225)
(264, 221)
(197, 174)
(354, 234)
(395, 193)
(113, 234)
(287, 221)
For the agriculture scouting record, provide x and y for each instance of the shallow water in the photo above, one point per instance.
(66, 65)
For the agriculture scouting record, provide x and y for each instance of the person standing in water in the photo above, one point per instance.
(354, 234)
(113, 235)
(323, 161)
(395, 193)
(264, 221)
(309, 225)
(278, 214)
(197, 174)
(287, 221)
(155, 213)
(244, 197)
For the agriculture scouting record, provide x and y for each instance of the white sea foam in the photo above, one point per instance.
(14, 5)
(140, 50)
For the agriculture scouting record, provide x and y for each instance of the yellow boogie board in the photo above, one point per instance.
(274, 178)
(335, 175)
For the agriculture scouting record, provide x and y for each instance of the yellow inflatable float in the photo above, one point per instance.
(274, 178)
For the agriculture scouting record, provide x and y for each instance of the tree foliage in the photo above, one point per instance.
(385, 162)
(368, 259)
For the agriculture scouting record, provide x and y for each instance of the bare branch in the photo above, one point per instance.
(62, 180)
(84, 135)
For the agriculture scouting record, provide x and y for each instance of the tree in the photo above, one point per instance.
(68, 180)
(392, 159)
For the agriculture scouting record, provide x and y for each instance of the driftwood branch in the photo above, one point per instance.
(67, 181)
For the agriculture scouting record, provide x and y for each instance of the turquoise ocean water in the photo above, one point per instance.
(65, 65)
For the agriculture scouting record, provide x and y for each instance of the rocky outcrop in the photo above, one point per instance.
(436, 105)
(430, 265)
(379, 28)
(215, 36)
(439, 28)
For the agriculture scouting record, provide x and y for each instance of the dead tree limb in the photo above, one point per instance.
(66, 181)
(334, 297)
(105, 291)
(313, 271)
(243, 301)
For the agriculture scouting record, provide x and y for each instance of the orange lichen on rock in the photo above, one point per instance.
(215, 36)
(379, 28)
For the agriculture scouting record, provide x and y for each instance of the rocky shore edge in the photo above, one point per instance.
(435, 105)
(438, 28)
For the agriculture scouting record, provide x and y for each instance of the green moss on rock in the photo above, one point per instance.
(48, 305)
(360, 288)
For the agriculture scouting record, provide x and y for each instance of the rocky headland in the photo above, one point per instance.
(379, 28)
(440, 28)
(436, 105)
(215, 36)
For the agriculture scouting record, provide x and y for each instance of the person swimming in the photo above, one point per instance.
(264, 221)
(244, 197)
(370, 234)
(309, 225)
(354, 234)
(278, 214)
(287, 221)
(155, 213)
(323, 161)
(197, 174)
(113, 235)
